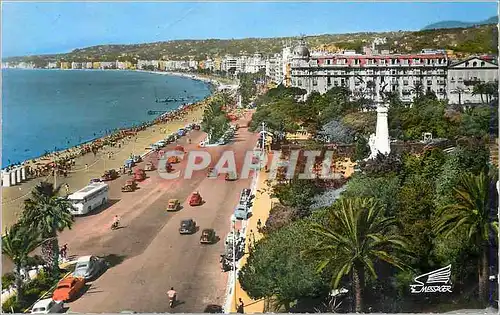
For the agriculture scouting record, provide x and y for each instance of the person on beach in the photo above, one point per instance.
(86, 167)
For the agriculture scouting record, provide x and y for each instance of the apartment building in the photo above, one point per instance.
(463, 75)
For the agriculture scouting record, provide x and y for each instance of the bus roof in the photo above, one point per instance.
(86, 191)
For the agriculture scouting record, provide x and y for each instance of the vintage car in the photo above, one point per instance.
(109, 175)
(187, 227)
(173, 205)
(241, 212)
(130, 185)
(139, 174)
(179, 148)
(94, 180)
(136, 158)
(68, 288)
(149, 166)
(173, 159)
(195, 199)
(231, 176)
(47, 306)
(213, 308)
(89, 267)
(245, 197)
(212, 172)
(208, 236)
(129, 163)
(181, 132)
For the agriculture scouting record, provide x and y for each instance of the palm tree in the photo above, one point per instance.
(479, 89)
(48, 214)
(355, 237)
(17, 243)
(474, 210)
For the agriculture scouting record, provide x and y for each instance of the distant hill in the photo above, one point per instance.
(472, 40)
(459, 24)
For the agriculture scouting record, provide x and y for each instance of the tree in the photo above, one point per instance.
(47, 214)
(355, 237)
(474, 208)
(383, 189)
(336, 132)
(362, 150)
(17, 243)
(275, 267)
(297, 194)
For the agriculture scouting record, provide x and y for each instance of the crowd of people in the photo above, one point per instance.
(63, 162)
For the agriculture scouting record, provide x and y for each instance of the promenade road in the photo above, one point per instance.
(148, 255)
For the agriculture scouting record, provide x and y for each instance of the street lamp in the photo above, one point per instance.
(233, 227)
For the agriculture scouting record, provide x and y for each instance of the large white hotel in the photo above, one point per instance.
(404, 74)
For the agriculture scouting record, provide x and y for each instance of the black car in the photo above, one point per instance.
(208, 236)
(213, 308)
(187, 227)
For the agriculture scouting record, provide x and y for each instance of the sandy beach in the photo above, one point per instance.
(91, 165)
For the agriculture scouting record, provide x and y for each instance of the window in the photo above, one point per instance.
(328, 62)
(329, 81)
(483, 63)
(474, 64)
(452, 79)
(405, 82)
(393, 71)
(429, 82)
(315, 81)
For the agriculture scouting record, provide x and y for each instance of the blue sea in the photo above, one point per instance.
(44, 110)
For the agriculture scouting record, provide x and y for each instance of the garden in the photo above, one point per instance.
(357, 245)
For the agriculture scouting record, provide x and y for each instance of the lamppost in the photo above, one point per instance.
(233, 228)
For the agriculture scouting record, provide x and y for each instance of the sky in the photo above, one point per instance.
(59, 27)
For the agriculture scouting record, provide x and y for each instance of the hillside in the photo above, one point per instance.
(479, 39)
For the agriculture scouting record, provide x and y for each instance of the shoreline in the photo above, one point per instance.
(52, 155)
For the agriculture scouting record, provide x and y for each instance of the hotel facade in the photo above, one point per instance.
(404, 74)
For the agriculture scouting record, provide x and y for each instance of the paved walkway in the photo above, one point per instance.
(261, 207)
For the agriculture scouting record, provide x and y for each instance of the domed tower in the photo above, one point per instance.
(301, 51)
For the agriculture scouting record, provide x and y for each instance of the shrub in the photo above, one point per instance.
(10, 305)
(8, 280)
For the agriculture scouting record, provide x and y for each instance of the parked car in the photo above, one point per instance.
(187, 226)
(68, 288)
(245, 197)
(208, 236)
(241, 212)
(173, 205)
(88, 267)
(47, 306)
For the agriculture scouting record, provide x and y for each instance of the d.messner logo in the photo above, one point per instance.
(440, 276)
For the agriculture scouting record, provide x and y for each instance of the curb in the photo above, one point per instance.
(231, 285)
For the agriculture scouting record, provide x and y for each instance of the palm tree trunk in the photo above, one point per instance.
(359, 281)
(483, 272)
(19, 285)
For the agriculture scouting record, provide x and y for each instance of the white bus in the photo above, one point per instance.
(89, 198)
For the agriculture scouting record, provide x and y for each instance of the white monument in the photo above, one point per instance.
(379, 142)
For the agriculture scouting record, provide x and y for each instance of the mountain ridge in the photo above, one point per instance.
(460, 24)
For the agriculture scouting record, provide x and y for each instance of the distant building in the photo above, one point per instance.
(76, 65)
(65, 65)
(463, 75)
(52, 65)
(229, 64)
